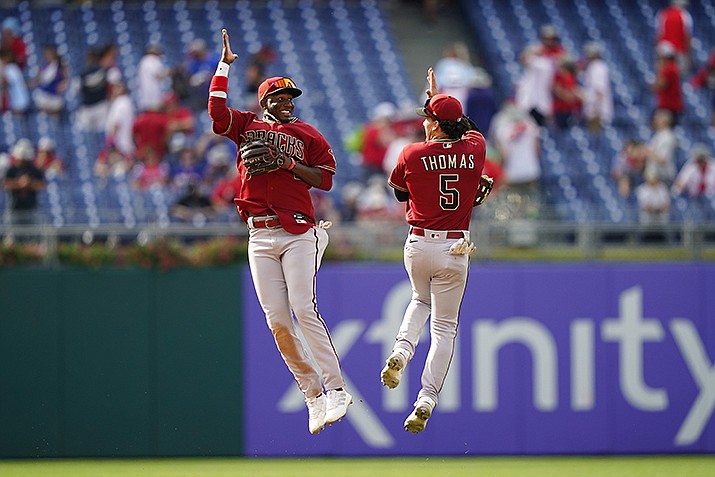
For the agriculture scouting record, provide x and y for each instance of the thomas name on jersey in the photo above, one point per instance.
(448, 161)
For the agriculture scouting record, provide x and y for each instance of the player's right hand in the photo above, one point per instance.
(227, 56)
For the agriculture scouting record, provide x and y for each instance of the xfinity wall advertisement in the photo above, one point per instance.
(551, 359)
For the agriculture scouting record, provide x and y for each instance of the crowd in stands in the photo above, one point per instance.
(150, 135)
(149, 138)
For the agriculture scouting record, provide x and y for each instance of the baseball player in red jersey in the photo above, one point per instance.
(285, 247)
(440, 181)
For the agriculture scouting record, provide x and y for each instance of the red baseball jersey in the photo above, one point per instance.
(671, 95)
(673, 24)
(281, 192)
(441, 178)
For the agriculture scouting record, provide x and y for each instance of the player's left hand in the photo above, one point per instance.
(261, 157)
(462, 247)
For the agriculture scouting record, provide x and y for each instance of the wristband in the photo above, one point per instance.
(292, 164)
(222, 69)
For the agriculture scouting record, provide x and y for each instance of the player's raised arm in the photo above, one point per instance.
(218, 91)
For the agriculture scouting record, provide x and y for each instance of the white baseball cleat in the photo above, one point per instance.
(338, 402)
(417, 421)
(392, 372)
(316, 413)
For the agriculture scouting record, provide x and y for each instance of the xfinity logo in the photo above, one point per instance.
(630, 332)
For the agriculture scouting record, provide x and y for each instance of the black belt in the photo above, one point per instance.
(450, 234)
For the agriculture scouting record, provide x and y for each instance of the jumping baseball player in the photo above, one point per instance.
(441, 180)
(280, 159)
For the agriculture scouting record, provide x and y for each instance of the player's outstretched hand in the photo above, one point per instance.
(227, 56)
(432, 90)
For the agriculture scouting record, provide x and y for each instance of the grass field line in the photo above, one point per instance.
(606, 466)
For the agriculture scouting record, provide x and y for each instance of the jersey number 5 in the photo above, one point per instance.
(449, 196)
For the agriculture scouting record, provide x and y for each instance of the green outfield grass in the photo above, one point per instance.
(640, 466)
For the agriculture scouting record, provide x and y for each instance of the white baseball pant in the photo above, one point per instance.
(284, 268)
(438, 283)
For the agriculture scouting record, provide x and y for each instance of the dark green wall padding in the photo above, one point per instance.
(117, 362)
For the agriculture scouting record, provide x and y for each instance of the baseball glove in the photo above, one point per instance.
(486, 184)
(462, 247)
(261, 157)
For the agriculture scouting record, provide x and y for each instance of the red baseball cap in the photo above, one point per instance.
(276, 84)
(442, 107)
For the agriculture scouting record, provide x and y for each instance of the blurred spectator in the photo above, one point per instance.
(653, 198)
(182, 121)
(377, 136)
(662, 147)
(3, 88)
(481, 105)
(200, 65)
(667, 86)
(350, 194)
(47, 158)
(151, 170)
(516, 137)
(151, 132)
(256, 72)
(11, 39)
(23, 180)
(108, 60)
(325, 207)
(674, 24)
(404, 136)
(375, 203)
(696, 179)
(51, 82)
(120, 120)
(5, 160)
(213, 151)
(225, 190)
(187, 169)
(493, 167)
(454, 72)
(111, 162)
(551, 46)
(152, 79)
(533, 88)
(92, 112)
(628, 168)
(566, 93)
(192, 206)
(705, 78)
(597, 89)
(219, 159)
(17, 95)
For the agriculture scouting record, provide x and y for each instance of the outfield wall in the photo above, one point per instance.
(120, 363)
(551, 359)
